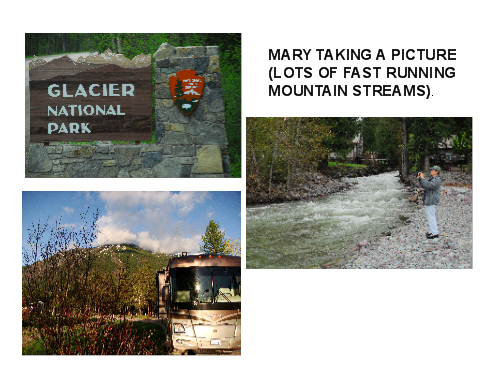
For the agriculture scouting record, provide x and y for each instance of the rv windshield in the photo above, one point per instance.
(206, 285)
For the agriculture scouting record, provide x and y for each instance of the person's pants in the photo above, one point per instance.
(430, 212)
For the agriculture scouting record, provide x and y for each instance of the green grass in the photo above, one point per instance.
(356, 166)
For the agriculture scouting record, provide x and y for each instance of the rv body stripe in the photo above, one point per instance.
(177, 316)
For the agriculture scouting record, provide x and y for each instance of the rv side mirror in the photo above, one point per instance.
(165, 294)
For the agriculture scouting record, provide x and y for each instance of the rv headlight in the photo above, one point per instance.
(178, 328)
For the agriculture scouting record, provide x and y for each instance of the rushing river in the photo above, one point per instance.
(307, 234)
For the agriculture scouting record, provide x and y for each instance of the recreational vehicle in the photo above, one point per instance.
(199, 301)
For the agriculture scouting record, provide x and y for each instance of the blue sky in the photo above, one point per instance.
(168, 222)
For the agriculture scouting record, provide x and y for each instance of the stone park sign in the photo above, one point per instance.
(188, 144)
(101, 97)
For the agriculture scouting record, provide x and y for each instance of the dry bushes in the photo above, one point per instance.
(79, 302)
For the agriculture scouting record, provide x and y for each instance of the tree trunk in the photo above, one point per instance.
(118, 40)
(323, 165)
(113, 45)
(404, 153)
(426, 160)
(276, 143)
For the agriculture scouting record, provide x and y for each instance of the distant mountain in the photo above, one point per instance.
(128, 255)
(117, 256)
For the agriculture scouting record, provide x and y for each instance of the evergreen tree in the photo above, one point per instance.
(178, 89)
(213, 239)
(462, 143)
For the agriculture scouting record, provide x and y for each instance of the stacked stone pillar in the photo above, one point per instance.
(196, 143)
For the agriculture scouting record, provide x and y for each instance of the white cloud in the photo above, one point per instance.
(110, 234)
(71, 246)
(152, 220)
(146, 242)
(68, 210)
(186, 201)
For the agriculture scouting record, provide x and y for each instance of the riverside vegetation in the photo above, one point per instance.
(311, 185)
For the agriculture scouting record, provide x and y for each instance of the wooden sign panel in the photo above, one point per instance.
(186, 89)
(105, 97)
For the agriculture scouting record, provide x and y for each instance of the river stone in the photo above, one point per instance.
(363, 243)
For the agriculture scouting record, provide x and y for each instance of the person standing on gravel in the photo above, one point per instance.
(432, 193)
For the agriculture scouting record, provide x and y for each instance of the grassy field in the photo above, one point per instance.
(354, 166)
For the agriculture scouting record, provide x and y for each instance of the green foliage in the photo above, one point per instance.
(213, 239)
(279, 149)
(369, 127)
(278, 170)
(230, 65)
(340, 135)
(388, 138)
(462, 143)
(232, 247)
(425, 136)
(144, 288)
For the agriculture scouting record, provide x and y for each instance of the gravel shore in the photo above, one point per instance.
(407, 246)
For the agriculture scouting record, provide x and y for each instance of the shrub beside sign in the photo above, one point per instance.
(105, 97)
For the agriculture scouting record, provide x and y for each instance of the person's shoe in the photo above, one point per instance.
(427, 234)
(431, 236)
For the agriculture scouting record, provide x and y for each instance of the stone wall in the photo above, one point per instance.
(186, 146)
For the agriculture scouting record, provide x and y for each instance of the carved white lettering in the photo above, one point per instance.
(74, 128)
(87, 110)
(127, 89)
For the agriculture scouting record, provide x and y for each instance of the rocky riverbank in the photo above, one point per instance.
(309, 187)
(407, 246)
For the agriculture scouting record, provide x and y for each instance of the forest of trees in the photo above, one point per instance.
(279, 150)
(133, 44)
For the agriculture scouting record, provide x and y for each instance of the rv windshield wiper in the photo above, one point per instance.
(224, 296)
(200, 298)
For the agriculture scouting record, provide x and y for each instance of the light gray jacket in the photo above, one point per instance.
(432, 188)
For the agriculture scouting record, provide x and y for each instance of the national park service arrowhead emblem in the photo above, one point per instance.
(186, 89)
